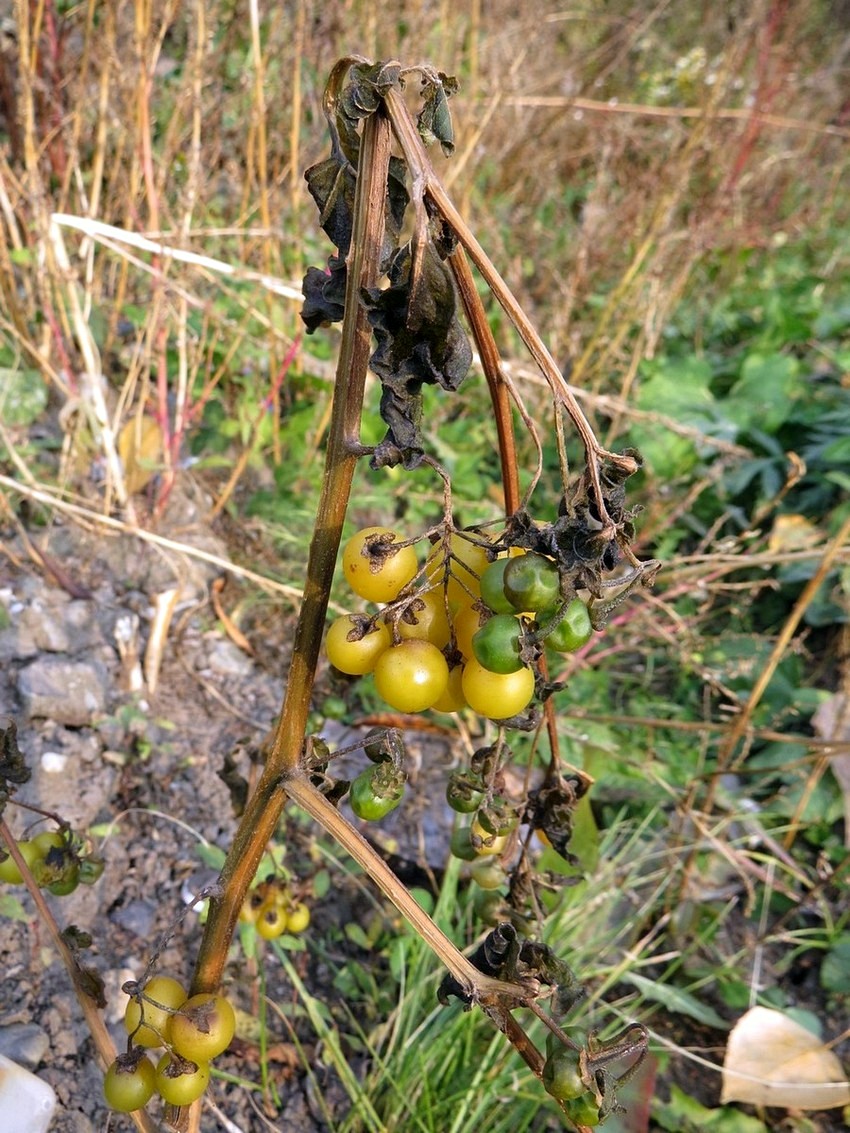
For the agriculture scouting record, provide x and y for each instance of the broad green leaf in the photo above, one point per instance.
(684, 1114)
(835, 970)
(677, 388)
(764, 395)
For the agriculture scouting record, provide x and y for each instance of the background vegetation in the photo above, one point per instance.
(665, 191)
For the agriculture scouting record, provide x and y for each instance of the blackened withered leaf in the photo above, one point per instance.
(236, 783)
(419, 340)
(401, 412)
(331, 184)
(76, 938)
(13, 768)
(435, 120)
(398, 199)
(419, 336)
(506, 955)
(90, 981)
(324, 294)
(551, 808)
(367, 86)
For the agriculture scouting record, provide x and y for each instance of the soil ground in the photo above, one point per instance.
(144, 770)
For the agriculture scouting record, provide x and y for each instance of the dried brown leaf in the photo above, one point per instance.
(772, 1060)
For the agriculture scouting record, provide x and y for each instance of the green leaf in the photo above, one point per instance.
(835, 970)
(764, 395)
(248, 940)
(356, 935)
(23, 396)
(321, 884)
(676, 1000)
(677, 388)
(684, 1114)
(210, 855)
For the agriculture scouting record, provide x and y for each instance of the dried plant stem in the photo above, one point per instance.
(483, 989)
(491, 363)
(742, 721)
(264, 807)
(741, 724)
(500, 395)
(282, 775)
(646, 110)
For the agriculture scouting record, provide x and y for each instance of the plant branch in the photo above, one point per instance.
(482, 989)
(491, 363)
(425, 181)
(264, 807)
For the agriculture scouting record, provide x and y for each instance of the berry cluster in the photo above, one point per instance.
(465, 631)
(57, 859)
(192, 1030)
(273, 910)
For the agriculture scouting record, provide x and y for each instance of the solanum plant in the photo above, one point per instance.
(409, 330)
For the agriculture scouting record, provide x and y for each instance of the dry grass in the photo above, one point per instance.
(603, 154)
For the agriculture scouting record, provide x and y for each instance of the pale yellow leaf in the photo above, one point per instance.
(140, 449)
(771, 1060)
(793, 533)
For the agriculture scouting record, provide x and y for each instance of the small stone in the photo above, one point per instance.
(138, 917)
(228, 660)
(69, 692)
(54, 762)
(26, 1043)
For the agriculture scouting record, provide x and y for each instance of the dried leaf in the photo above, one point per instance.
(435, 120)
(230, 628)
(140, 449)
(331, 184)
(324, 295)
(13, 766)
(419, 341)
(793, 533)
(772, 1060)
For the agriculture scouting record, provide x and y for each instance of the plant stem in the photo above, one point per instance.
(264, 807)
(427, 183)
(483, 989)
(491, 364)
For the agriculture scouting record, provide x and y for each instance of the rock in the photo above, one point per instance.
(17, 640)
(26, 1043)
(138, 917)
(69, 775)
(228, 660)
(69, 692)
